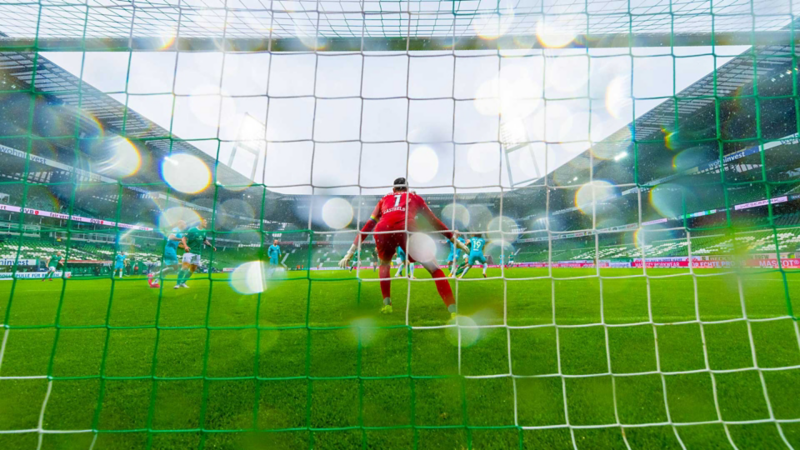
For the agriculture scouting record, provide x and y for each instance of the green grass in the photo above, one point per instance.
(310, 363)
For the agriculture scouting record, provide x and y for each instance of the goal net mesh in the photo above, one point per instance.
(632, 165)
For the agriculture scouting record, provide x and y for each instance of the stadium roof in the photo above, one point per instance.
(74, 101)
(693, 103)
(744, 110)
(692, 114)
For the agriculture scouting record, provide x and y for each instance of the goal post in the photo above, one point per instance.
(397, 43)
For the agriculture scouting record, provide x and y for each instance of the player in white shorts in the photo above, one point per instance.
(191, 259)
(193, 241)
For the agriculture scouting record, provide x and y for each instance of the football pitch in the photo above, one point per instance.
(310, 363)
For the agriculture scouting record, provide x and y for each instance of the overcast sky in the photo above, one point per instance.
(371, 105)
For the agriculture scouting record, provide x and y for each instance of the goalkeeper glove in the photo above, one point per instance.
(346, 260)
(461, 246)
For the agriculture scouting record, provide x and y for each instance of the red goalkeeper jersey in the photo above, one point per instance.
(392, 209)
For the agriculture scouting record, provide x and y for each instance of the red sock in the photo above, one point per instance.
(386, 282)
(443, 286)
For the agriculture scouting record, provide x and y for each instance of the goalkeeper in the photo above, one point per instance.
(389, 220)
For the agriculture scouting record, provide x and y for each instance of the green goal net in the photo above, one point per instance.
(180, 180)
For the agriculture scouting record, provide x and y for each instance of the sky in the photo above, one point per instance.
(338, 120)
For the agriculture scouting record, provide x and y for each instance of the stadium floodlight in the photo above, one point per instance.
(250, 139)
(620, 156)
(516, 145)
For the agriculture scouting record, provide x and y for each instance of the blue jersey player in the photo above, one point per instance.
(402, 262)
(477, 244)
(175, 239)
(274, 253)
(120, 261)
(455, 254)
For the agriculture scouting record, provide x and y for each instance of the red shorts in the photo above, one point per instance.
(386, 244)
